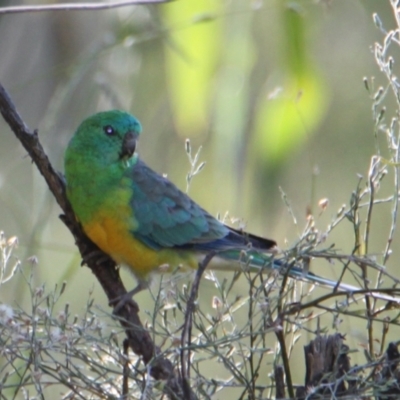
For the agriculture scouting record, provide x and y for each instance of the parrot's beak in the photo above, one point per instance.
(128, 145)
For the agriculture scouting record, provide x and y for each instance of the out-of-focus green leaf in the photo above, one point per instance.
(292, 110)
(288, 115)
(192, 48)
(295, 48)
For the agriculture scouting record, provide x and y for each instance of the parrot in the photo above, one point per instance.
(143, 221)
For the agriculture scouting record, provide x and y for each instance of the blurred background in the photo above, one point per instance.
(272, 90)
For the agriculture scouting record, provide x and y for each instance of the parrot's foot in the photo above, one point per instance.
(97, 256)
(126, 298)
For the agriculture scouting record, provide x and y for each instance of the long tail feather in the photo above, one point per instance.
(255, 262)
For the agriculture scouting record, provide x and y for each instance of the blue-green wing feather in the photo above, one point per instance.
(166, 216)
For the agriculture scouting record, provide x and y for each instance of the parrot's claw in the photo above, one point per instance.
(126, 298)
(97, 256)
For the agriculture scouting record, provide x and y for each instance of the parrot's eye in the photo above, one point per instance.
(109, 130)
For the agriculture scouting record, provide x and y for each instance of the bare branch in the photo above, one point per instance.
(77, 6)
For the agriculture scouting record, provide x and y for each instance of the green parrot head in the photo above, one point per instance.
(96, 158)
(108, 137)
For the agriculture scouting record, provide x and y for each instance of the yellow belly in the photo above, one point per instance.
(114, 238)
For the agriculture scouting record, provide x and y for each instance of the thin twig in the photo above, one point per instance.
(77, 6)
(314, 303)
(187, 326)
(285, 357)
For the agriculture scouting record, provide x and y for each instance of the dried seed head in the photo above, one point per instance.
(323, 204)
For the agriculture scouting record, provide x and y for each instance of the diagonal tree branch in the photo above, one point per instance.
(103, 267)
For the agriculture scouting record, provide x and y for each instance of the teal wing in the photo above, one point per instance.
(168, 217)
